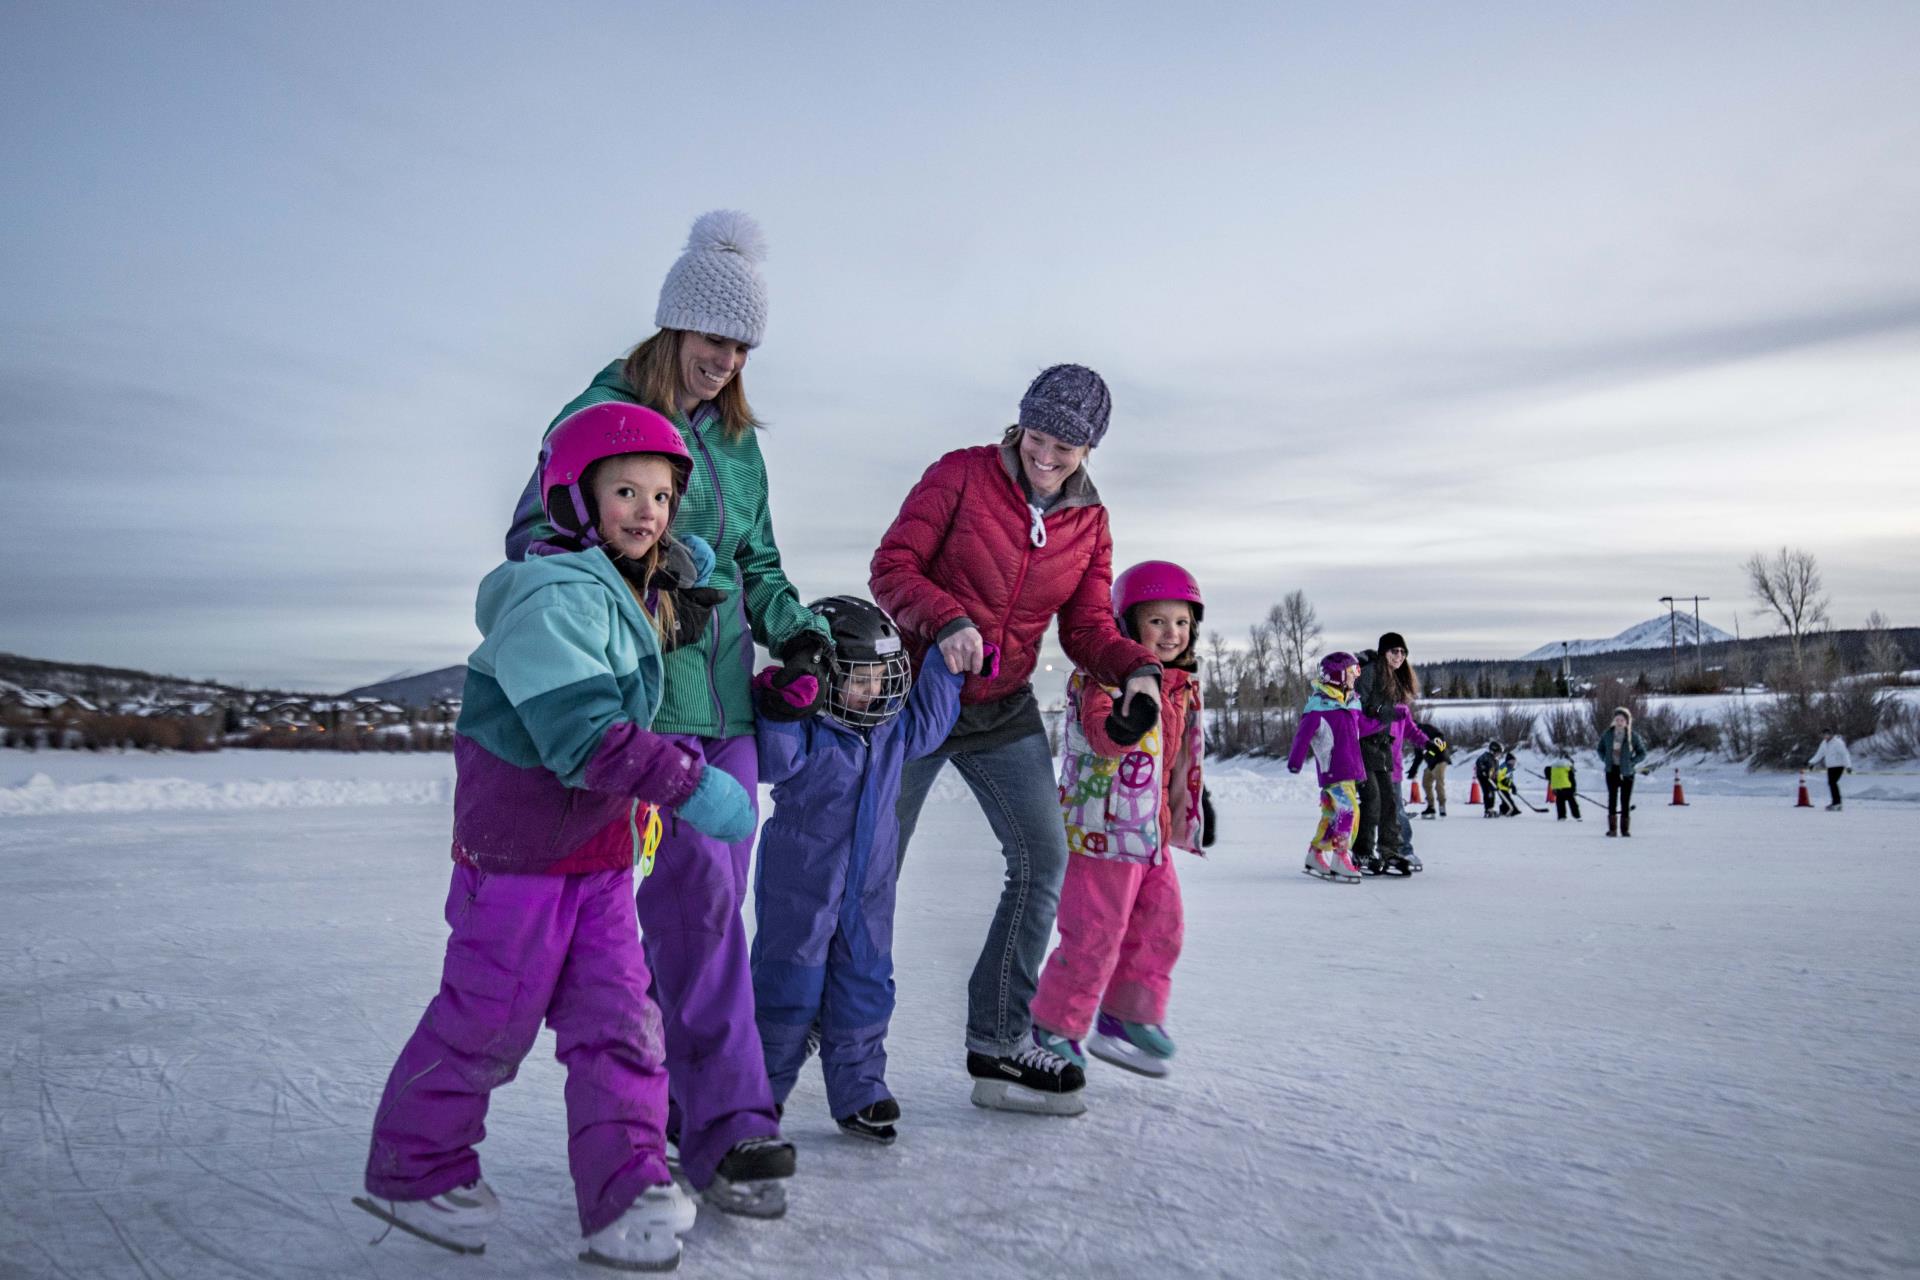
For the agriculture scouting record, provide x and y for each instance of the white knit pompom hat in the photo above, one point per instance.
(716, 285)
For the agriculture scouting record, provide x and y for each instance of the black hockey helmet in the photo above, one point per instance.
(864, 636)
(1496, 746)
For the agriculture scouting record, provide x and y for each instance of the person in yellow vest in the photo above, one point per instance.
(1561, 779)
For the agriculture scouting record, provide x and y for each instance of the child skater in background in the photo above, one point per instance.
(1561, 780)
(1132, 794)
(1330, 731)
(824, 888)
(557, 774)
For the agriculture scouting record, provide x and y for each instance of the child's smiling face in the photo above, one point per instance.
(634, 495)
(1166, 627)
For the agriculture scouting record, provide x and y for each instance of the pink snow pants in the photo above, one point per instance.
(526, 948)
(1120, 927)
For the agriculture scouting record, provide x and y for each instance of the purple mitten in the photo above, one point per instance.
(799, 693)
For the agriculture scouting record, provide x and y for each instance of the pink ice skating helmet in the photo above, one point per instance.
(1154, 580)
(583, 438)
(1335, 664)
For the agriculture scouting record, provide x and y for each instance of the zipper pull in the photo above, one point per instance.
(1039, 531)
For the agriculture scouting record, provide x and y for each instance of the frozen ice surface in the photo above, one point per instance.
(1689, 1054)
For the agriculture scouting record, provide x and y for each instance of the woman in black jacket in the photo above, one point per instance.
(1388, 687)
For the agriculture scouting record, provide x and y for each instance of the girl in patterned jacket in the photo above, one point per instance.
(558, 783)
(1132, 793)
(1330, 729)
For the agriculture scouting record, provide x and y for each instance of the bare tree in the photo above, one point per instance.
(1220, 679)
(1788, 585)
(1883, 651)
(1260, 653)
(1296, 630)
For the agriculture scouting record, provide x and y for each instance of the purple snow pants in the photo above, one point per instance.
(697, 948)
(562, 948)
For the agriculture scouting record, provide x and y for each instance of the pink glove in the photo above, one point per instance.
(801, 692)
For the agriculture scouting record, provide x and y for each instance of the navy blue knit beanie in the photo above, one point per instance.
(1068, 402)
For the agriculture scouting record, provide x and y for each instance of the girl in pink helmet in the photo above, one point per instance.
(1131, 788)
(559, 780)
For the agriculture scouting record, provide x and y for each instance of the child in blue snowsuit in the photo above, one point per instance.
(824, 879)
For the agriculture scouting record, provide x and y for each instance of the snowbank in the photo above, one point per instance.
(40, 795)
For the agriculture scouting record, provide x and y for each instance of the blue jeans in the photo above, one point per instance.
(1015, 786)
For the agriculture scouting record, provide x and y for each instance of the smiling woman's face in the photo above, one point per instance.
(1047, 463)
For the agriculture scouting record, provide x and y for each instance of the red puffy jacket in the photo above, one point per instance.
(962, 546)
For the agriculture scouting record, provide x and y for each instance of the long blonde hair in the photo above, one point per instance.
(652, 373)
(662, 615)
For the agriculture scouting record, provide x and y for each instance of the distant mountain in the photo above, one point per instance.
(107, 684)
(422, 690)
(1652, 634)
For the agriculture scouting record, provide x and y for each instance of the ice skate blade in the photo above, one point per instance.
(1004, 1095)
(412, 1230)
(766, 1199)
(1334, 876)
(1128, 1056)
(599, 1259)
(879, 1135)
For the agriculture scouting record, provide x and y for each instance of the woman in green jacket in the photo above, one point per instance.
(1621, 750)
(712, 313)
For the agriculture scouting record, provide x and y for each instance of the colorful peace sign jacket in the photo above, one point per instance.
(1113, 796)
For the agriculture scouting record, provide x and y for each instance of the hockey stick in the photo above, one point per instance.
(1510, 792)
(1598, 804)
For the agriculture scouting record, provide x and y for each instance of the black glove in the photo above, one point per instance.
(1129, 728)
(1206, 818)
(692, 610)
(805, 654)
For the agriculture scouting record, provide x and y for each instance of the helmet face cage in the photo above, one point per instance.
(887, 699)
(867, 647)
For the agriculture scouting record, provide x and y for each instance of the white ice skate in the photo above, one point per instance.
(1338, 868)
(458, 1219)
(646, 1236)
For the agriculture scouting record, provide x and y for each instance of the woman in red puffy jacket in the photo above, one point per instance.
(992, 545)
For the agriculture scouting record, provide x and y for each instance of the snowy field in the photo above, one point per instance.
(1694, 1053)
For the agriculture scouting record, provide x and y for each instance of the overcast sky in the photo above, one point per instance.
(1488, 324)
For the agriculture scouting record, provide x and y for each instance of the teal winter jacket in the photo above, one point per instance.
(552, 751)
(707, 690)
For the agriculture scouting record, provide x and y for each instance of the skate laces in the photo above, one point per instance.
(1041, 1058)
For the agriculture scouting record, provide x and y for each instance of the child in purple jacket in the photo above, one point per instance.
(1330, 728)
(824, 879)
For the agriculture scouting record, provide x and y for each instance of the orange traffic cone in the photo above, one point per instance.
(1473, 796)
(1415, 797)
(1679, 796)
(1805, 801)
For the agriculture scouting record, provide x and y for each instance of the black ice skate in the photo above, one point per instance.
(873, 1122)
(1035, 1080)
(749, 1179)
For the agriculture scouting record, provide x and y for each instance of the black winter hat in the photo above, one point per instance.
(1391, 640)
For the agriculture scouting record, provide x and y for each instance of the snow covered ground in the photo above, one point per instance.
(1689, 1054)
